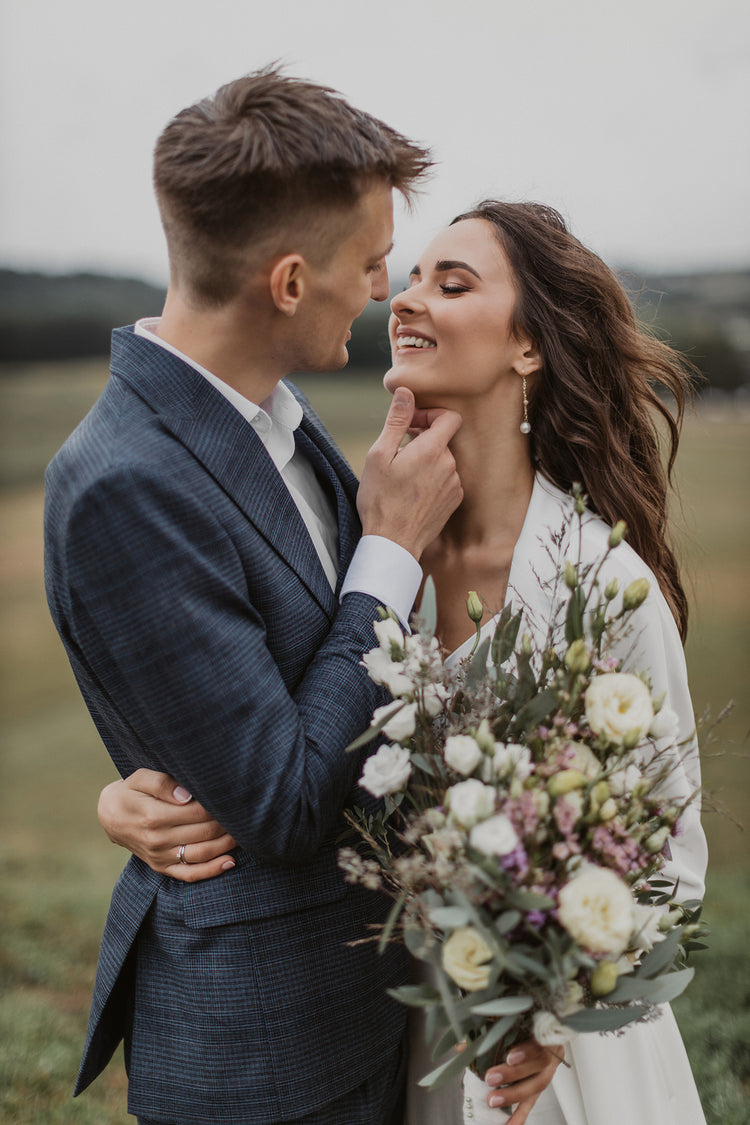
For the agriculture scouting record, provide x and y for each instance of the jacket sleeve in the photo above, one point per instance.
(163, 611)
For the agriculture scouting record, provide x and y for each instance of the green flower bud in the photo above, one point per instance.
(474, 607)
(570, 575)
(610, 590)
(577, 657)
(669, 920)
(608, 811)
(632, 738)
(618, 533)
(565, 782)
(527, 647)
(656, 841)
(484, 738)
(635, 594)
(599, 794)
(604, 978)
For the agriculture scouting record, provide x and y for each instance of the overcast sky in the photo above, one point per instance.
(630, 116)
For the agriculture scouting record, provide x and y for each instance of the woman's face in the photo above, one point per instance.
(450, 330)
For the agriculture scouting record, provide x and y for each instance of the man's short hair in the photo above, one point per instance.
(269, 164)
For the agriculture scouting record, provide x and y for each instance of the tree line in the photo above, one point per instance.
(45, 317)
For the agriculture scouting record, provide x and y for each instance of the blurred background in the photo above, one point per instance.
(633, 120)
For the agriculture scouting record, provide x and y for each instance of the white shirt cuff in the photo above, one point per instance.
(385, 571)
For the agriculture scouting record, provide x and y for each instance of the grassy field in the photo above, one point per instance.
(56, 869)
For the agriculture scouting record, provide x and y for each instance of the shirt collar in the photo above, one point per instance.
(274, 420)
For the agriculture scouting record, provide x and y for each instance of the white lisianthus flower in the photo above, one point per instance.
(462, 754)
(647, 928)
(596, 908)
(390, 636)
(402, 722)
(434, 696)
(618, 705)
(624, 777)
(665, 725)
(382, 670)
(509, 759)
(387, 771)
(470, 801)
(549, 1032)
(583, 759)
(495, 836)
(465, 959)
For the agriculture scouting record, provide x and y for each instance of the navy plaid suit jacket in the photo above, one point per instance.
(207, 643)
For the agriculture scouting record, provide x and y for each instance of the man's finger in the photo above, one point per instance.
(444, 424)
(397, 422)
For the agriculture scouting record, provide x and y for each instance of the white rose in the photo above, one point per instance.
(495, 836)
(389, 635)
(402, 723)
(387, 771)
(647, 931)
(596, 908)
(624, 777)
(462, 753)
(665, 725)
(465, 956)
(583, 758)
(382, 670)
(470, 801)
(618, 704)
(549, 1032)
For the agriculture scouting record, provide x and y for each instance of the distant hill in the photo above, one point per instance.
(43, 317)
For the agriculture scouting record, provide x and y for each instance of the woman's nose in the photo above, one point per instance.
(404, 302)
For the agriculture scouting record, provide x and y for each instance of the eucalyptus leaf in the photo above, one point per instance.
(507, 921)
(504, 1006)
(477, 669)
(660, 991)
(662, 955)
(427, 612)
(541, 707)
(603, 1019)
(574, 616)
(504, 638)
(449, 917)
(414, 995)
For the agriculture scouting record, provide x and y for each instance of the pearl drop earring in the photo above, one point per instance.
(525, 426)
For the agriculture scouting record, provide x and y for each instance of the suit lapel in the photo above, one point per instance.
(228, 448)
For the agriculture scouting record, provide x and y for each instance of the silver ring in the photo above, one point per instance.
(181, 854)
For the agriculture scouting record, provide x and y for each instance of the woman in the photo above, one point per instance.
(511, 322)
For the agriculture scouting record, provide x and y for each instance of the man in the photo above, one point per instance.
(205, 571)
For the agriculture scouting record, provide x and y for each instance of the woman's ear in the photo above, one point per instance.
(529, 358)
(286, 283)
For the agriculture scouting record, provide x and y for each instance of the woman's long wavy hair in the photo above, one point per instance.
(593, 406)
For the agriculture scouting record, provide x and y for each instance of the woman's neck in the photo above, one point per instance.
(475, 549)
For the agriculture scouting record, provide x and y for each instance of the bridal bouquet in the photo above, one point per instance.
(525, 826)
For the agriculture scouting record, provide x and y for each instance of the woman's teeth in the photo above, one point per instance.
(414, 342)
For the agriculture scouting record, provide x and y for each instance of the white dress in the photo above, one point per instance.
(643, 1076)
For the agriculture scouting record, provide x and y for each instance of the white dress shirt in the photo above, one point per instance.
(379, 566)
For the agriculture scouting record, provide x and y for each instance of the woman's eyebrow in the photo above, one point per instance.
(444, 266)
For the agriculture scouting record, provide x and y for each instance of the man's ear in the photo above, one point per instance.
(286, 283)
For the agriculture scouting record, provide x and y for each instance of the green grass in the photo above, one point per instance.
(57, 870)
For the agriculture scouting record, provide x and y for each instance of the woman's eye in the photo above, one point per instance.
(449, 289)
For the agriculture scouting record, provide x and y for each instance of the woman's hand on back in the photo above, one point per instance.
(153, 817)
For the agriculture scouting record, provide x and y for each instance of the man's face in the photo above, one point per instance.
(337, 293)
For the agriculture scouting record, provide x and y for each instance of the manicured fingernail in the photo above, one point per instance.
(514, 1058)
(227, 865)
(496, 1100)
(181, 795)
